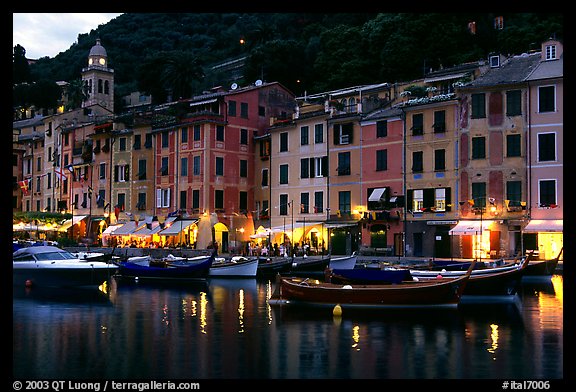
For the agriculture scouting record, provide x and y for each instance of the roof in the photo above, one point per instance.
(383, 113)
(98, 50)
(548, 69)
(515, 70)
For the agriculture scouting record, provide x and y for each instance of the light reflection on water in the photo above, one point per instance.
(226, 329)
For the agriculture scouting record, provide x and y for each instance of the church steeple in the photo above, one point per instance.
(98, 79)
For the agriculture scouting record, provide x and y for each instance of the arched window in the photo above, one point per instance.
(106, 87)
(100, 86)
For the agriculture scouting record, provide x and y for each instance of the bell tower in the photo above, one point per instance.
(98, 79)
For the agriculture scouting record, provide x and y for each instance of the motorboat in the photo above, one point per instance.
(50, 266)
(237, 266)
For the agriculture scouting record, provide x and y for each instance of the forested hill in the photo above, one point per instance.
(310, 52)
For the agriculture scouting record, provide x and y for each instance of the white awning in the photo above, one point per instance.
(177, 226)
(471, 227)
(128, 228)
(339, 225)
(544, 225)
(111, 229)
(445, 77)
(68, 223)
(203, 102)
(377, 194)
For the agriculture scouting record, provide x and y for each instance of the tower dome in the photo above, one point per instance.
(98, 50)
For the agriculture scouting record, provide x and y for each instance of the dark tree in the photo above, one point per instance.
(20, 67)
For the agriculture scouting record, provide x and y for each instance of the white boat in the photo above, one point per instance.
(238, 266)
(344, 262)
(428, 274)
(50, 266)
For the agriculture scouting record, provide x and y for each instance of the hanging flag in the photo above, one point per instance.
(89, 192)
(25, 186)
(60, 173)
(471, 202)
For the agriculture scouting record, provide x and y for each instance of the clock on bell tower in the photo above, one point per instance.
(98, 78)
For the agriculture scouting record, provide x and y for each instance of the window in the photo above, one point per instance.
(121, 201)
(122, 144)
(320, 166)
(38, 164)
(261, 111)
(164, 166)
(381, 160)
(49, 181)
(243, 136)
(243, 202)
(183, 166)
(284, 141)
(141, 205)
(440, 199)
(344, 163)
(196, 165)
(243, 168)
(513, 103)
(219, 199)
(184, 134)
(195, 198)
(478, 147)
(164, 139)
(163, 198)
(219, 166)
(547, 192)
(196, 132)
(546, 98)
(417, 162)
(304, 203)
(439, 121)
(551, 52)
(284, 174)
(546, 147)
(121, 173)
(382, 128)
(137, 142)
(243, 110)
(343, 133)
(183, 198)
(514, 193)
(141, 169)
(479, 194)
(304, 135)
(102, 171)
(439, 160)
(304, 168)
(418, 124)
(478, 106)
(264, 177)
(318, 202)
(513, 147)
(344, 202)
(283, 207)
(319, 133)
(101, 199)
(219, 133)
(232, 108)
(418, 200)
(148, 142)
(264, 148)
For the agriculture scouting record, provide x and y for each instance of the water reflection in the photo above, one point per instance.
(225, 328)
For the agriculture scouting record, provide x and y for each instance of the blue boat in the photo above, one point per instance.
(192, 270)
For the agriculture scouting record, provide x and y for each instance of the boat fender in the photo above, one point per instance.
(28, 283)
(347, 287)
(337, 311)
(438, 276)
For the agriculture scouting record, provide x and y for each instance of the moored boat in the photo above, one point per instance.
(543, 267)
(236, 267)
(443, 292)
(344, 262)
(166, 271)
(268, 267)
(310, 263)
(50, 266)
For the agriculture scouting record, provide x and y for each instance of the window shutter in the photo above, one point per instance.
(168, 197)
(325, 166)
(312, 168)
(448, 197)
(127, 173)
(336, 134)
(410, 198)
(429, 197)
(115, 173)
(158, 198)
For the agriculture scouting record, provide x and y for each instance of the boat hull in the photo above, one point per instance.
(242, 269)
(346, 262)
(62, 277)
(193, 271)
(271, 267)
(445, 293)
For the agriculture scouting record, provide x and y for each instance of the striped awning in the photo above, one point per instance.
(178, 226)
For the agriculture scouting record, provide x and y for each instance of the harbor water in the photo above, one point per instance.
(225, 329)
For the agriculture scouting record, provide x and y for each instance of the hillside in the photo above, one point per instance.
(310, 52)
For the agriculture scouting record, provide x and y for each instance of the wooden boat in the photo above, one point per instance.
(344, 262)
(498, 281)
(310, 264)
(167, 271)
(269, 267)
(544, 267)
(444, 292)
(236, 267)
